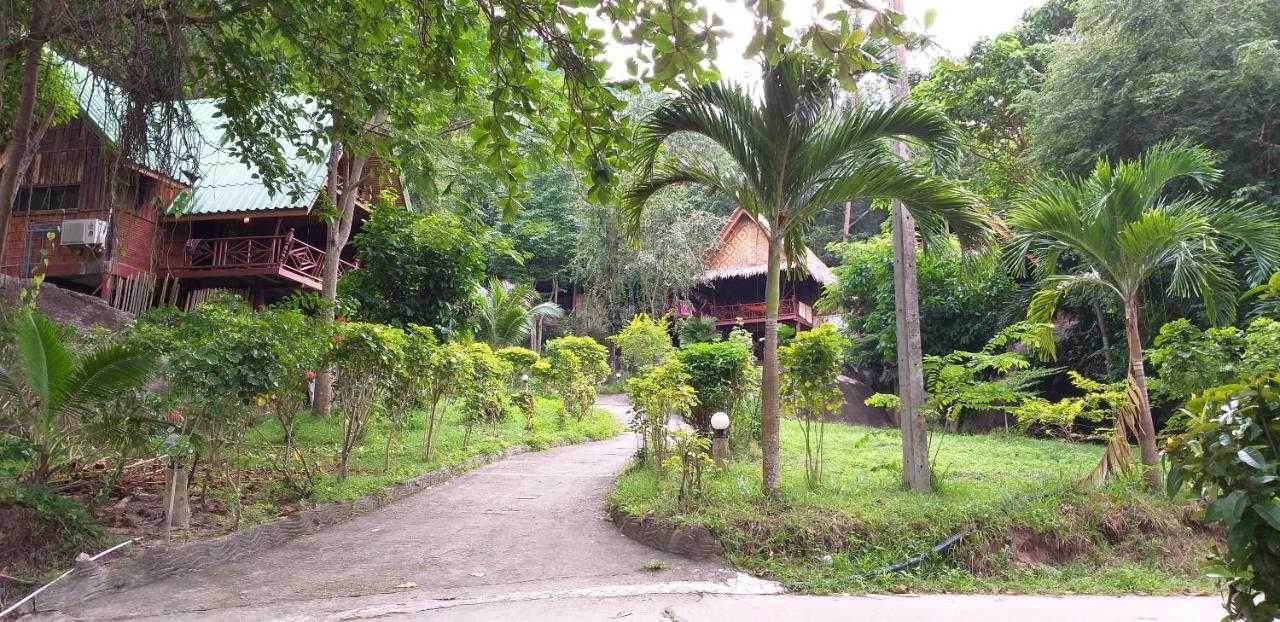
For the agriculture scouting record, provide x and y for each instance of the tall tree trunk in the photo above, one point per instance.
(1106, 340)
(915, 444)
(769, 415)
(336, 236)
(1146, 426)
(22, 117)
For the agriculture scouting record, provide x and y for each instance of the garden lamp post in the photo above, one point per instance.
(720, 438)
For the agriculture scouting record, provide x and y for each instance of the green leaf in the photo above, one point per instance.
(930, 15)
(1226, 510)
(1253, 458)
(1269, 511)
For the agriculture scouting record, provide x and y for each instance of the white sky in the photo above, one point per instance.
(959, 23)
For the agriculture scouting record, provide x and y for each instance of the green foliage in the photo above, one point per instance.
(690, 455)
(621, 278)
(593, 357)
(656, 396)
(544, 234)
(368, 358)
(484, 387)
(719, 372)
(49, 397)
(443, 369)
(963, 301)
(1135, 74)
(693, 330)
(560, 373)
(506, 312)
(574, 366)
(55, 89)
(981, 95)
(1189, 360)
(1265, 298)
(1098, 402)
(520, 359)
(416, 269)
(993, 378)
(811, 390)
(644, 342)
(1230, 456)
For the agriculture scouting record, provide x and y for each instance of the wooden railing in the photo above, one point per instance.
(754, 311)
(258, 254)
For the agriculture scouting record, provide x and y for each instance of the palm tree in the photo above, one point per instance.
(798, 150)
(48, 395)
(507, 312)
(1123, 224)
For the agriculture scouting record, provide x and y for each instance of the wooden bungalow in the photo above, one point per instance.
(142, 237)
(735, 271)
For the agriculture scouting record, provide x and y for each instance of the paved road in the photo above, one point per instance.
(527, 539)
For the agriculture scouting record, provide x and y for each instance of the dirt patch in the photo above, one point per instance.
(1039, 550)
(1103, 532)
(29, 546)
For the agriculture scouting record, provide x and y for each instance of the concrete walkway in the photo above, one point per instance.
(527, 539)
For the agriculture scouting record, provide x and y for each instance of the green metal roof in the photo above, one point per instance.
(222, 183)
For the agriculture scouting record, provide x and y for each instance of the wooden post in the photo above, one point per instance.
(915, 443)
(177, 507)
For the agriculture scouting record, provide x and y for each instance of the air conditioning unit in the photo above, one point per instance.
(84, 232)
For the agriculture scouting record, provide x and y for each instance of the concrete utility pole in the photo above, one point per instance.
(915, 444)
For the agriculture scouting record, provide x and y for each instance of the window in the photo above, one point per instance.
(47, 199)
(140, 188)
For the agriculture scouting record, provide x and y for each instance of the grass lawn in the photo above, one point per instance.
(1035, 528)
(320, 441)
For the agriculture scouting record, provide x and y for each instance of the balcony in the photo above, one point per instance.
(752, 312)
(280, 258)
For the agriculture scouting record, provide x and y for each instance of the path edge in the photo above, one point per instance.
(90, 578)
(693, 542)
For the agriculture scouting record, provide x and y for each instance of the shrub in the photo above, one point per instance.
(656, 396)
(442, 372)
(719, 373)
(592, 360)
(416, 269)
(697, 330)
(1230, 454)
(560, 374)
(1188, 360)
(484, 386)
(644, 342)
(368, 358)
(521, 361)
(810, 388)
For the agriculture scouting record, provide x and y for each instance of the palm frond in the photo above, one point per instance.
(102, 375)
(939, 207)
(676, 171)
(42, 356)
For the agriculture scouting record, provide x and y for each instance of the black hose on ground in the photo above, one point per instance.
(912, 562)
